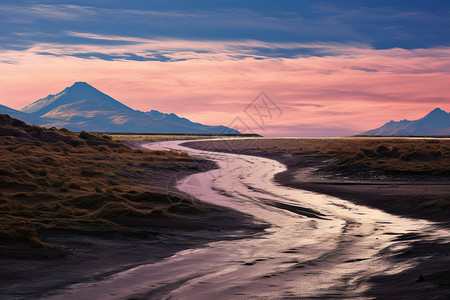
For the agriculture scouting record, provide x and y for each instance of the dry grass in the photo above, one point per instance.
(412, 159)
(157, 138)
(388, 154)
(76, 181)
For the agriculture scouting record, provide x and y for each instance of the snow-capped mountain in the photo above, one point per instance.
(437, 122)
(77, 93)
(83, 107)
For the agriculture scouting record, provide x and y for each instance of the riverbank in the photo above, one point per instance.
(80, 207)
(423, 195)
(417, 187)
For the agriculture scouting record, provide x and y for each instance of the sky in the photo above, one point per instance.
(326, 68)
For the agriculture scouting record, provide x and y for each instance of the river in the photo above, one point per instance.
(316, 246)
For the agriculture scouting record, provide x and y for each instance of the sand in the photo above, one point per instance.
(96, 258)
(316, 247)
(104, 252)
(401, 195)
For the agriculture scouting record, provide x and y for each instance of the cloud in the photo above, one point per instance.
(206, 82)
(111, 47)
(62, 12)
(114, 57)
(293, 21)
(332, 67)
(29, 13)
(307, 104)
(163, 49)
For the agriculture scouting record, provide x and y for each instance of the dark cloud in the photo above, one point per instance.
(109, 57)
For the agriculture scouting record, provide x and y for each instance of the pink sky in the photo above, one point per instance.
(353, 89)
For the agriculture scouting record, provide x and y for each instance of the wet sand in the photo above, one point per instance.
(96, 256)
(316, 247)
(401, 195)
(403, 198)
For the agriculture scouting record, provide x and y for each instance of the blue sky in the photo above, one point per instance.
(381, 24)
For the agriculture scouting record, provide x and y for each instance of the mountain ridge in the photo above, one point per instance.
(79, 90)
(83, 107)
(435, 123)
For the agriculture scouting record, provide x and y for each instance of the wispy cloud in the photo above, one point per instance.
(353, 88)
(326, 21)
(307, 105)
(328, 64)
(63, 12)
(163, 49)
(29, 13)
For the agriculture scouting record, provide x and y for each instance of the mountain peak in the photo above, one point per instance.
(82, 87)
(437, 112)
(79, 91)
(436, 122)
(81, 84)
(83, 107)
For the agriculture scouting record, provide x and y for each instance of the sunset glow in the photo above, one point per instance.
(325, 88)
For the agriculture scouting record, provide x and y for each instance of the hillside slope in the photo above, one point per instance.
(437, 122)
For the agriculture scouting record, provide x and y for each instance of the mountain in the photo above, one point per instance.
(170, 117)
(83, 107)
(9, 111)
(437, 122)
(79, 91)
(21, 115)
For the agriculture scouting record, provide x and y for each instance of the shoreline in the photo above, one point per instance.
(96, 254)
(399, 194)
(395, 199)
(110, 252)
(402, 198)
(430, 276)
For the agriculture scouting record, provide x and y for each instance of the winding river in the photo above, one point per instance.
(316, 246)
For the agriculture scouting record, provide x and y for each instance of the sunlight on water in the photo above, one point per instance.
(315, 246)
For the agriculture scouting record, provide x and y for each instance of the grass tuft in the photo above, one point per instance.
(54, 179)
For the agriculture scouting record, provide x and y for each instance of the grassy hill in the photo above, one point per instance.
(52, 179)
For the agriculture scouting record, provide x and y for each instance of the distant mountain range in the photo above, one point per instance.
(83, 107)
(437, 122)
